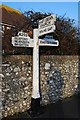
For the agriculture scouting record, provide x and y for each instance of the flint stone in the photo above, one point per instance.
(27, 74)
(47, 66)
(7, 74)
(23, 68)
(17, 69)
(29, 78)
(11, 68)
(22, 79)
(22, 62)
(16, 73)
(29, 71)
(76, 86)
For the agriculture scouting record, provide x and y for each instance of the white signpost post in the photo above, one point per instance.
(45, 26)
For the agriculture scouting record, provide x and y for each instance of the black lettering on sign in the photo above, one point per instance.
(41, 31)
(50, 28)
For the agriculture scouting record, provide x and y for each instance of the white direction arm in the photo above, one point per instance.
(22, 42)
(50, 42)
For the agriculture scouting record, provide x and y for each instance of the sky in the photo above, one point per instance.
(70, 9)
(39, 0)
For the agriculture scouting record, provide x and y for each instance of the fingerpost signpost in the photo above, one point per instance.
(45, 26)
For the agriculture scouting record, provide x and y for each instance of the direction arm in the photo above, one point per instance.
(48, 43)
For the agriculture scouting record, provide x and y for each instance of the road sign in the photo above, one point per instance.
(47, 37)
(22, 42)
(46, 30)
(46, 25)
(46, 22)
(49, 42)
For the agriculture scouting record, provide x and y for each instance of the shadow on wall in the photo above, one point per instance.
(55, 82)
(78, 99)
(79, 75)
(77, 90)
